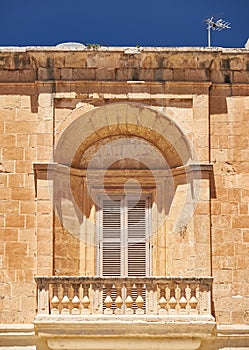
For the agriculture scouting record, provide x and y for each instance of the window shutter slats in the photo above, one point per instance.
(111, 259)
(111, 235)
(136, 238)
(111, 220)
(124, 248)
(136, 220)
(137, 259)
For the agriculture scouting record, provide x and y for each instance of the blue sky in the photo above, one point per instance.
(122, 23)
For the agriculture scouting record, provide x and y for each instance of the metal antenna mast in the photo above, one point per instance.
(215, 25)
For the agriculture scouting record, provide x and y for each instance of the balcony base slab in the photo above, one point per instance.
(124, 332)
(124, 344)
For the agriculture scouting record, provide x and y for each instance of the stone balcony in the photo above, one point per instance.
(81, 309)
(124, 296)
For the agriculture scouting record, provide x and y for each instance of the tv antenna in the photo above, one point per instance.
(215, 25)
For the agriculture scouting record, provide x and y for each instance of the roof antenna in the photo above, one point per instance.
(215, 25)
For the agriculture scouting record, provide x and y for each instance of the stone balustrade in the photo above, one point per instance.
(124, 296)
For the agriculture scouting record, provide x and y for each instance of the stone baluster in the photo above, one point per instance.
(183, 301)
(162, 300)
(177, 296)
(188, 296)
(173, 300)
(75, 300)
(85, 300)
(75, 305)
(119, 299)
(108, 300)
(65, 302)
(192, 301)
(60, 296)
(167, 296)
(139, 300)
(54, 303)
(128, 300)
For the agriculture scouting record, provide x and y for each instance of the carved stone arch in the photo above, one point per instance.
(128, 120)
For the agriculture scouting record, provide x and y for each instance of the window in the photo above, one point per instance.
(124, 236)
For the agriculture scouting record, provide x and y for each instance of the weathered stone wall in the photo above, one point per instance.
(229, 115)
(42, 91)
(123, 64)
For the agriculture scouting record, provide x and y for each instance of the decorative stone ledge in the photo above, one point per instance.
(233, 330)
(9, 331)
(42, 170)
(124, 333)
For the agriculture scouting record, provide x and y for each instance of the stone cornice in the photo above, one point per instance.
(46, 168)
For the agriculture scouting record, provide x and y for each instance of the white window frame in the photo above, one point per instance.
(124, 237)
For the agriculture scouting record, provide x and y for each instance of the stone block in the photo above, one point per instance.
(45, 100)
(9, 75)
(44, 234)
(44, 139)
(26, 262)
(20, 127)
(15, 153)
(84, 74)
(241, 77)
(49, 74)
(105, 74)
(67, 74)
(14, 220)
(44, 221)
(146, 74)
(7, 114)
(23, 166)
(30, 154)
(30, 221)
(27, 75)
(125, 74)
(5, 193)
(22, 140)
(16, 248)
(9, 207)
(3, 179)
(8, 234)
(178, 74)
(25, 102)
(8, 141)
(25, 115)
(75, 60)
(241, 221)
(28, 207)
(22, 194)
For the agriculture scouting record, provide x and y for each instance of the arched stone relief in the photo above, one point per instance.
(105, 148)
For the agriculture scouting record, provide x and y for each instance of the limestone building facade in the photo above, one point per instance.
(124, 188)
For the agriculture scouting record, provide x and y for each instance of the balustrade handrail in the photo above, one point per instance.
(77, 295)
(95, 279)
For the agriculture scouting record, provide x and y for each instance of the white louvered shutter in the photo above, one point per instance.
(111, 238)
(124, 246)
(136, 244)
